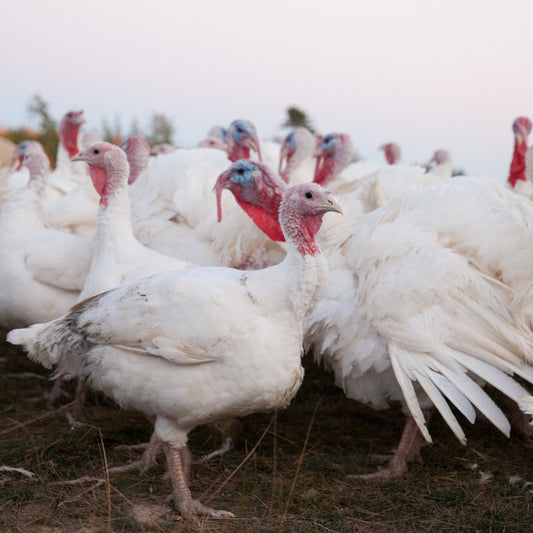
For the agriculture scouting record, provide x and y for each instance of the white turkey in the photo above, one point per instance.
(241, 137)
(117, 255)
(372, 183)
(393, 153)
(419, 302)
(174, 209)
(69, 174)
(196, 345)
(162, 148)
(442, 166)
(137, 151)
(216, 138)
(70, 202)
(42, 270)
(297, 156)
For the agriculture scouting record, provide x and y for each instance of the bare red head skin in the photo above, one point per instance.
(521, 130)
(392, 152)
(272, 205)
(18, 155)
(241, 137)
(302, 209)
(335, 153)
(258, 191)
(69, 128)
(108, 168)
(297, 146)
(137, 151)
(440, 157)
(35, 159)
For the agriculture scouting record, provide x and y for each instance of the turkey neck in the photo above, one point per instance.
(25, 207)
(236, 151)
(293, 163)
(113, 226)
(518, 164)
(304, 260)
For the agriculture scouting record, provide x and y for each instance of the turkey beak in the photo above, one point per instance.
(16, 161)
(319, 161)
(80, 156)
(284, 153)
(519, 136)
(80, 118)
(253, 144)
(331, 205)
(219, 186)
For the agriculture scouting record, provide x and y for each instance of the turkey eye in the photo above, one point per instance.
(309, 195)
(240, 171)
(96, 151)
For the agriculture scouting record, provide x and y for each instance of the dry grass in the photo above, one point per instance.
(294, 478)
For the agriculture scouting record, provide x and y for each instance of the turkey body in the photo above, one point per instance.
(41, 270)
(191, 346)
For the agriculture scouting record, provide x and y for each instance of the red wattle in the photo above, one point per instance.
(518, 164)
(265, 222)
(99, 178)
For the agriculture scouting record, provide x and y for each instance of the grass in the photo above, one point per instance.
(293, 478)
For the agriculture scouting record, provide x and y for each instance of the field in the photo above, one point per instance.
(289, 473)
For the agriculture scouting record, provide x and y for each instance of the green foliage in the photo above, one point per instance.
(39, 108)
(112, 133)
(297, 118)
(161, 129)
(48, 135)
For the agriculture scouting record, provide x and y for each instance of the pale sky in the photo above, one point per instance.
(426, 74)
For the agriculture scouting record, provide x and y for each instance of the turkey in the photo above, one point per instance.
(216, 138)
(42, 270)
(298, 152)
(214, 342)
(372, 183)
(174, 210)
(241, 137)
(518, 179)
(13, 177)
(393, 153)
(137, 151)
(70, 202)
(163, 148)
(443, 164)
(117, 256)
(419, 305)
(68, 173)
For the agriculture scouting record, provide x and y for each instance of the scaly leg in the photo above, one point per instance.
(56, 392)
(408, 450)
(231, 430)
(148, 459)
(177, 460)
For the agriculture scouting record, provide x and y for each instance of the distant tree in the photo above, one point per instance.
(38, 107)
(112, 134)
(134, 128)
(161, 129)
(297, 118)
(48, 135)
